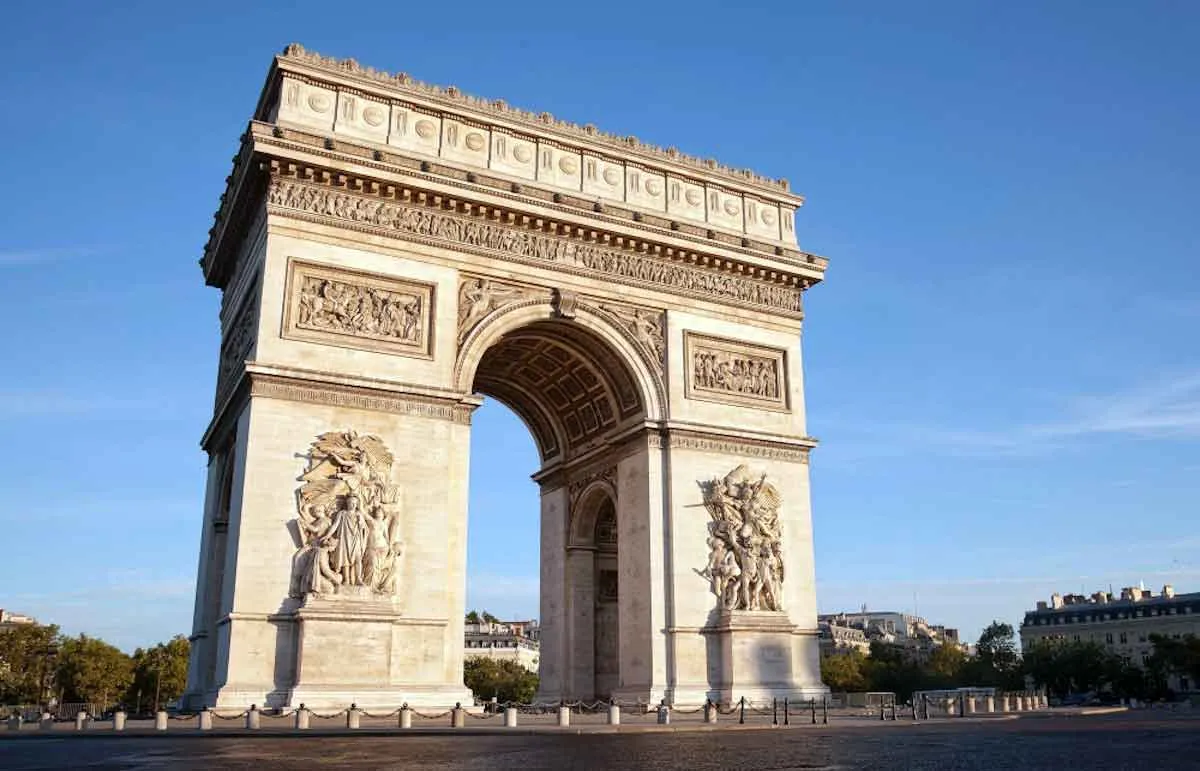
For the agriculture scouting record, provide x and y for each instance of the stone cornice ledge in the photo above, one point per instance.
(296, 57)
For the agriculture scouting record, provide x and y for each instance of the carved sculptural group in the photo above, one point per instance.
(338, 306)
(725, 371)
(349, 518)
(745, 567)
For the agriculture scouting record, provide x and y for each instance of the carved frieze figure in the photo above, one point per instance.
(745, 567)
(726, 371)
(348, 518)
(477, 297)
(645, 325)
(362, 311)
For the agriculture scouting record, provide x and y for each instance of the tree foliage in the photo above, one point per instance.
(502, 679)
(159, 674)
(91, 670)
(26, 662)
(845, 672)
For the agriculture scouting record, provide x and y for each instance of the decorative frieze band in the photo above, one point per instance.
(237, 343)
(358, 310)
(524, 243)
(738, 446)
(732, 371)
(355, 397)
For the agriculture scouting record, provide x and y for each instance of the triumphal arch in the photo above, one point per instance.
(389, 253)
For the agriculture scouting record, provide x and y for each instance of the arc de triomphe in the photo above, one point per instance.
(388, 252)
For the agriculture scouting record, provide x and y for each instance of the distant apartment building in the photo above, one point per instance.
(1122, 624)
(846, 631)
(517, 641)
(10, 620)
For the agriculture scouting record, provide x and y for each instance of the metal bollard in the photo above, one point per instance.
(458, 717)
(352, 716)
(119, 720)
(614, 714)
(881, 712)
(160, 720)
(824, 711)
(205, 719)
(252, 717)
(510, 717)
(813, 703)
(81, 720)
(405, 716)
(710, 711)
(774, 711)
(564, 716)
(742, 711)
(302, 718)
(47, 722)
(787, 720)
(664, 713)
(14, 722)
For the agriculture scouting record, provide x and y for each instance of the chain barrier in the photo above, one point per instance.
(435, 716)
(393, 713)
(219, 716)
(330, 716)
(682, 711)
(183, 716)
(485, 716)
(278, 716)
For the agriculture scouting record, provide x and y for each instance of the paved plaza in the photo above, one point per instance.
(1125, 740)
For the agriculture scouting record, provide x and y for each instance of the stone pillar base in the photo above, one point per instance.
(756, 653)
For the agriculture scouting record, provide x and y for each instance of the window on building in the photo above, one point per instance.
(1108, 638)
(1123, 640)
(1076, 638)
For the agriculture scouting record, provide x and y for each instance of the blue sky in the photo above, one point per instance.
(1002, 366)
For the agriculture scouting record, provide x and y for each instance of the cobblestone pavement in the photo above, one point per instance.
(1128, 740)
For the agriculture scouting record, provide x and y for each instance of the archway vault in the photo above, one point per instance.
(573, 381)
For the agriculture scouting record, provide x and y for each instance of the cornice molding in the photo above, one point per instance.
(401, 84)
(311, 391)
(356, 203)
(725, 444)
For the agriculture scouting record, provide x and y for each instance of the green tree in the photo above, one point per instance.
(505, 680)
(26, 662)
(473, 617)
(1064, 667)
(1178, 656)
(91, 670)
(892, 669)
(996, 662)
(945, 665)
(489, 618)
(845, 672)
(159, 674)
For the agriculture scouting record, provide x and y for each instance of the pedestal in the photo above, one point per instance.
(354, 650)
(756, 655)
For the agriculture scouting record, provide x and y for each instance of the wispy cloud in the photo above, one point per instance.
(1167, 408)
(42, 255)
(37, 403)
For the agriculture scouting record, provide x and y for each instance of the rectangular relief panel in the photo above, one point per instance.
(735, 372)
(353, 309)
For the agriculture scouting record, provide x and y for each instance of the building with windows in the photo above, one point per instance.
(517, 641)
(10, 620)
(846, 631)
(1121, 623)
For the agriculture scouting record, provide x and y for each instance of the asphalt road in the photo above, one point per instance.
(1122, 741)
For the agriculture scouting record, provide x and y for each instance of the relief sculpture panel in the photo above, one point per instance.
(745, 567)
(348, 519)
(735, 372)
(358, 310)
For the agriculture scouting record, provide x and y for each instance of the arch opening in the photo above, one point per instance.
(575, 391)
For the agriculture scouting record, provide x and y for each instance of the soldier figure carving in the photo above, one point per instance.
(745, 566)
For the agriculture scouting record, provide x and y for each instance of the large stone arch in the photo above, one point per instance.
(387, 253)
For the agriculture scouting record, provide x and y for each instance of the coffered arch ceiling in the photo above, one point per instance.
(566, 383)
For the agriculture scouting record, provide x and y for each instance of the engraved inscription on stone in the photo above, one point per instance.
(745, 566)
(348, 519)
(358, 310)
(731, 371)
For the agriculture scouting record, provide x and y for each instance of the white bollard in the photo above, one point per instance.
(302, 718)
(14, 722)
(564, 716)
(664, 714)
(205, 719)
(970, 702)
(510, 717)
(989, 704)
(352, 716)
(119, 720)
(47, 722)
(253, 717)
(710, 712)
(81, 719)
(614, 714)
(405, 717)
(458, 716)
(160, 720)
